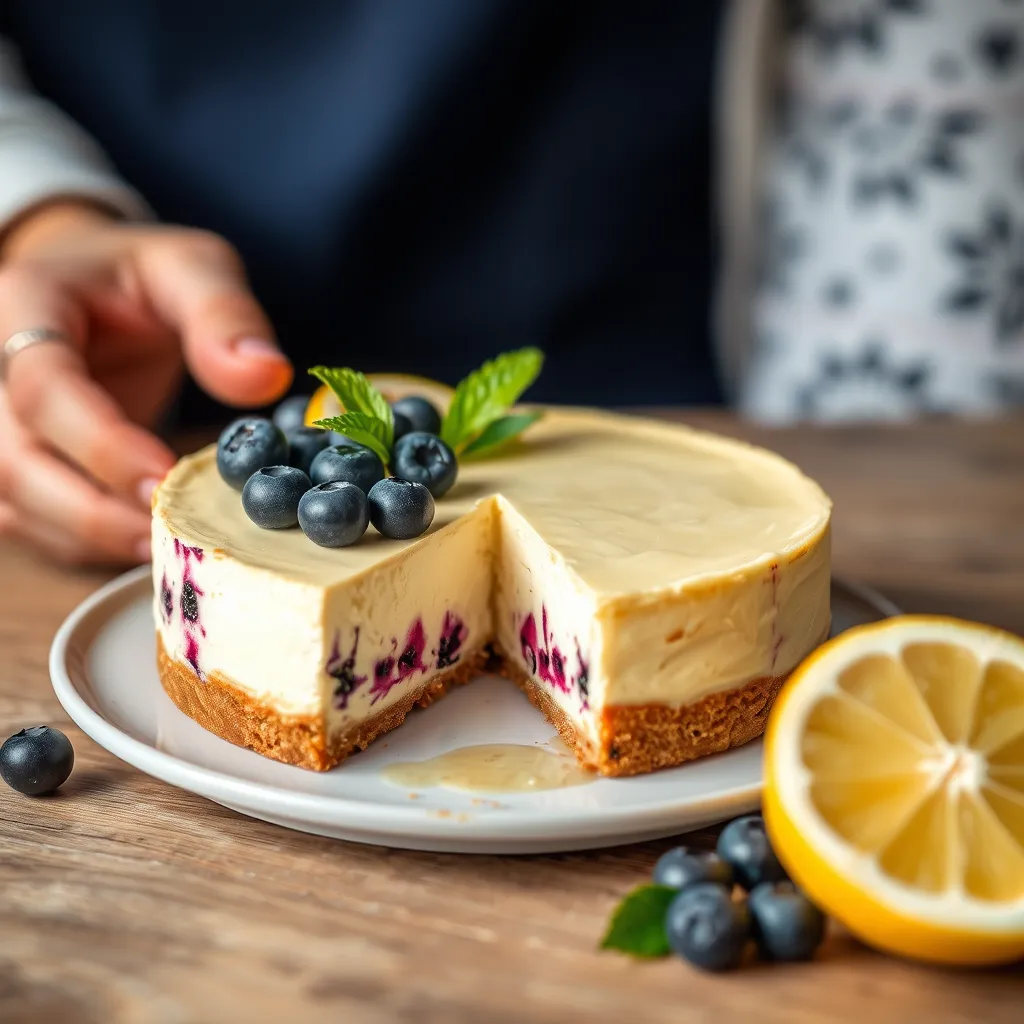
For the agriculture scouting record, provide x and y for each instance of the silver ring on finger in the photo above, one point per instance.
(26, 339)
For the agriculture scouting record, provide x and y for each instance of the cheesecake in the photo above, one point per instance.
(648, 586)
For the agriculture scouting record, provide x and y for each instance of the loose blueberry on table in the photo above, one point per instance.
(305, 444)
(744, 844)
(353, 464)
(334, 514)
(425, 459)
(290, 415)
(681, 867)
(706, 926)
(423, 416)
(400, 509)
(247, 445)
(786, 924)
(271, 496)
(36, 761)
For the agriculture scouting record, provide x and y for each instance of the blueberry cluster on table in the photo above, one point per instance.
(711, 929)
(331, 486)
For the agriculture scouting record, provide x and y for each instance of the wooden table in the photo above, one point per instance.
(124, 900)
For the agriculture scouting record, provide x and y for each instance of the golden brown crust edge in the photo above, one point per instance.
(234, 715)
(633, 740)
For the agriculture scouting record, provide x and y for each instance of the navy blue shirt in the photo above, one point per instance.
(418, 185)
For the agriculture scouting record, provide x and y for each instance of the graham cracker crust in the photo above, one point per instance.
(229, 712)
(638, 739)
(633, 740)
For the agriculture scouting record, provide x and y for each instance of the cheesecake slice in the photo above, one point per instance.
(648, 586)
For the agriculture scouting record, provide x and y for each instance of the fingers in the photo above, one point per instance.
(50, 504)
(54, 545)
(57, 509)
(51, 394)
(197, 284)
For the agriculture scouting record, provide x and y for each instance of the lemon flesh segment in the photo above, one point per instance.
(948, 677)
(914, 758)
(923, 852)
(884, 684)
(999, 713)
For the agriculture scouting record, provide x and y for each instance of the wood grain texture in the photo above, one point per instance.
(124, 901)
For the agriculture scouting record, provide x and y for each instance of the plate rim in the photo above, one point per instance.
(367, 817)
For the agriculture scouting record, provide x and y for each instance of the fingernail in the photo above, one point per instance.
(259, 347)
(144, 550)
(146, 489)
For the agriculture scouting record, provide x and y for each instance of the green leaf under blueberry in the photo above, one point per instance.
(638, 925)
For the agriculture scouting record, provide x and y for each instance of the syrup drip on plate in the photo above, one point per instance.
(492, 768)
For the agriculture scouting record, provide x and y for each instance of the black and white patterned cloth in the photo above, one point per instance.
(892, 228)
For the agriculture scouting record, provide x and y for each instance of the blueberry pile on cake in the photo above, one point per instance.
(648, 586)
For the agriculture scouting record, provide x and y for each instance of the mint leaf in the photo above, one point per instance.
(362, 429)
(488, 393)
(638, 924)
(500, 431)
(357, 394)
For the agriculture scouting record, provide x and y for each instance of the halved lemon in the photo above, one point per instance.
(392, 386)
(894, 787)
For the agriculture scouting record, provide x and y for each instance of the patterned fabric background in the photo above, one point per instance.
(892, 236)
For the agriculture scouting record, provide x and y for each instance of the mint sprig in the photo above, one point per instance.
(638, 924)
(363, 429)
(486, 395)
(501, 431)
(478, 418)
(357, 395)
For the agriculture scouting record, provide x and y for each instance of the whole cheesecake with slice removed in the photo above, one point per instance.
(648, 586)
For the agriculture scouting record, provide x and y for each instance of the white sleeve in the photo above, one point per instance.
(45, 155)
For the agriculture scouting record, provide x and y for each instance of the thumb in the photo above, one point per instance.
(197, 285)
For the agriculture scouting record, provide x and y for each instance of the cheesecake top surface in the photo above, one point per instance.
(631, 504)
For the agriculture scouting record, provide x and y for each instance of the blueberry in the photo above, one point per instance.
(271, 496)
(334, 514)
(247, 445)
(744, 844)
(705, 926)
(425, 459)
(420, 413)
(36, 761)
(403, 425)
(351, 464)
(343, 439)
(400, 509)
(305, 444)
(290, 415)
(787, 925)
(189, 602)
(681, 867)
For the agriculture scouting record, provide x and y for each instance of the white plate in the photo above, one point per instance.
(103, 666)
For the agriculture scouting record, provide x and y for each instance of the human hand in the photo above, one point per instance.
(137, 303)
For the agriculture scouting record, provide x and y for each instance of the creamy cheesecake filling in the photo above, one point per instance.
(718, 635)
(389, 632)
(213, 616)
